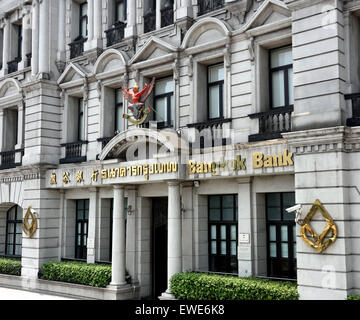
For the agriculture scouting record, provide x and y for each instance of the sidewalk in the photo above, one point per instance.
(15, 294)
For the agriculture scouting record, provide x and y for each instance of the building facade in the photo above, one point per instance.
(255, 108)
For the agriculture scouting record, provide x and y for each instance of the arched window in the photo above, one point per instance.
(13, 232)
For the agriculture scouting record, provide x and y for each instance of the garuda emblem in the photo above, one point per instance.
(136, 101)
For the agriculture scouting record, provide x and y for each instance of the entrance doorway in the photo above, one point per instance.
(159, 245)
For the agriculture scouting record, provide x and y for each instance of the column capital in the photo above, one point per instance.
(93, 189)
(173, 183)
(119, 187)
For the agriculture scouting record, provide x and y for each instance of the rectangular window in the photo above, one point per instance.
(281, 77)
(281, 235)
(119, 110)
(223, 233)
(81, 228)
(215, 89)
(120, 10)
(164, 102)
(13, 239)
(81, 124)
(19, 42)
(83, 28)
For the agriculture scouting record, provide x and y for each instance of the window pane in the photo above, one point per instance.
(86, 204)
(19, 213)
(79, 240)
(289, 199)
(79, 228)
(83, 9)
(164, 86)
(84, 239)
(273, 250)
(272, 233)
(284, 233)
(83, 30)
(223, 247)
(213, 247)
(216, 73)
(223, 232)
(228, 214)
(12, 214)
(284, 250)
(119, 118)
(120, 11)
(81, 119)
(10, 238)
(214, 202)
(214, 102)
(274, 214)
(161, 109)
(85, 228)
(19, 227)
(10, 249)
(213, 232)
(291, 86)
(18, 239)
(118, 96)
(281, 57)
(18, 250)
(228, 201)
(233, 248)
(86, 214)
(80, 204)
(233, 232)
(278, 89)
(11, 228)
(273, 199)
(215, 214)
(294, 233)
(294, 248)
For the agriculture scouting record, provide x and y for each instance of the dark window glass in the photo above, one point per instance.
(164, 102)
(83, 20)
(281, 77)
(13, 239)
(120, 10)
(223, 233)
(20, 37)
(81, 228)
(119, 110)
(81, 124)
(281, 235)
(215, 91)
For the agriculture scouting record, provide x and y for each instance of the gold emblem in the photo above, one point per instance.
(66, 179)
(94, 176)
(322, 241)
(29, 227)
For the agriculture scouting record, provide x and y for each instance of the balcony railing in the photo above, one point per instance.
(104, 141)
(355, 108)
(206, 6)
(73, 152)
(272, 123)
(150, 21)
(77, 47)
(210, 133)
(13, 65)
(115, 34)
(8, 159)
(167, 15)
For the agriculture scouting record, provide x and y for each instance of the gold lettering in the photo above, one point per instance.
(79, 177)
(123, 172)
(94, 175)
(168, 167)
(200, 167)
(174, 166)
(161, 167)
(240, 163)
(117, 171)
(191, 167)
(151, 171)
(277, 160)
(146, 171)
(257, 160)
(104, 174)
(268, 161)
(66, 178)
(139, 170)
(134, 172)
(287, 158)
(53, 178)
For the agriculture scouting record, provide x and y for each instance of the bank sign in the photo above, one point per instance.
(95, 174)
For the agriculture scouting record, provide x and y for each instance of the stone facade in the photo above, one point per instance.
(313, 140)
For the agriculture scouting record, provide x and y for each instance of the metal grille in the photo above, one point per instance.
(206, 6)
(77, 47)
(115, 34)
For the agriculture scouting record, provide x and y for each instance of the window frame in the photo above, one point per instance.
(170, 113)
(117, 106)
(15, 222)
(219, 83)
(81, 118)
(82, 248)
(285, 69)
(19, 41)
(218, 223)
(117, 3)
(81, 18)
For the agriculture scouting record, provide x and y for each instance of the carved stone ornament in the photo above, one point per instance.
(29, 227)
(322, 241)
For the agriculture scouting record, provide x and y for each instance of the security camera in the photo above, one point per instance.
(294, 208)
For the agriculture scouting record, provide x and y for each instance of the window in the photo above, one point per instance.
(81, 229)
(81, 134)
(13, 231)
(167, 13)
(281, 235)
(120, 10)
(215, 90)
(164, 102)
(19, 42)
(119, 110)
(223, 233)
(281, 77)
(83, 20)
(149, 16)
(206, 6)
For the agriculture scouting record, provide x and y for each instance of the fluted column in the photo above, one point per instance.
(130, 29)
(35, 39)
(44, 48)
(118, 239)
(174, 232)
(6, 45)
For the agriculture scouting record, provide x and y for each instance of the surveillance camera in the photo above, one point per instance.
(294, 208)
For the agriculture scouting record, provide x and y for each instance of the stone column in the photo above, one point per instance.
(93, 213)
(158, 14)
(130, 29)
(97, 24)
(174, 233)
(61, 36)
(90, 26)
(35, 39)
(62, 231)
(131, 234)
(44, 48)
(26, 40)
(6, 46)
(245, 261)
(118, 239)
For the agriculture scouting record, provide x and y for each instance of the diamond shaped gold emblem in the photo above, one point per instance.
(322, 241)
(29, 227)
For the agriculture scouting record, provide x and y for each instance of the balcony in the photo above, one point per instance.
(74, 152)
(77, 47)
(206, 6)
(115, 34)
(167, 15)
(210, 133)
(272, 123)
(8, 159)
(149, 21)
(13, 65)
(355, 108)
